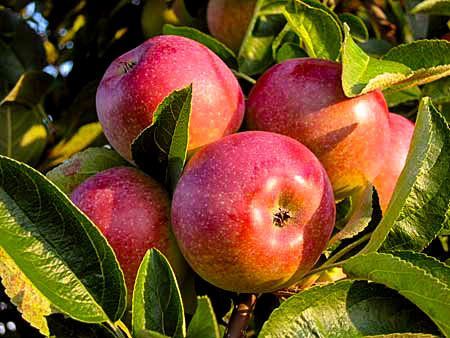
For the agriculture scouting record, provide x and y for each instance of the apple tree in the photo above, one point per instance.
(224, 168)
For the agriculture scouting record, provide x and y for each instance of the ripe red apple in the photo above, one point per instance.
(303, 98)
(132, 211)
(402, 131)
(446, 36)
(228, 20)
(137, 82)
(253, 212)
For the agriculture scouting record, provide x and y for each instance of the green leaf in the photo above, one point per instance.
(161, 148)
(150, 334)
(23, 135)
(345, 309)
(226, 54)
(360, 70)
(376, 48)
(21, 48)
(439, 91)
(63, 327)
(157, 304)
(318, 29)
(203, 323)
(68, 175)
(360, 215)
(420, 204)
(288, 51)
(407, 95)
(58, 250)
(437, 7)
(402, 67)
(255, 54)
(420, 280)
(29, 89)
(86, 136)
(358, 28)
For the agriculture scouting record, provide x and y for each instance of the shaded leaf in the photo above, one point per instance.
(222, 51)
(439, 91)
(357, 26)
(161, 148)
(420, 204)
(23, 135)
(29, 89)
(288, 51)
(21, 48)
(360, 215)
(61, 252)
(345, 309)
(411, 94)
(255, 54)
(203, 323)
(405, 273)
(437, 7)
(318, 29)
(72, 172)
(157, 304)
(86, 136)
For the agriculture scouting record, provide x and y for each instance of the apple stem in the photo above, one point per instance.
(242, 312)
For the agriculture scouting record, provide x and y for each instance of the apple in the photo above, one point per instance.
(402, 131)
(303, 98)
(446, 36)
(253, 211)
(156, 13)
(138, 81)
(133, 213)
(228, 20)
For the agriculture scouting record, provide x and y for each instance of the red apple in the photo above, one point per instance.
(228, 20)
(446, 36)
(253, 212)
(132, 211)
(402, 131)
(137, 82)
(303, 99)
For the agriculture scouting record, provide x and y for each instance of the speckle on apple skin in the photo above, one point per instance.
(303, 98)
(224, 205)
(138, 81)
(402, 131)
(132, 211)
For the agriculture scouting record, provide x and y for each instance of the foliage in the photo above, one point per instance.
(62, 275)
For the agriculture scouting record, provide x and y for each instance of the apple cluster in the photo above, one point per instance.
(253, 210)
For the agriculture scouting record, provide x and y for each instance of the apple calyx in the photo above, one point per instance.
(281, 217)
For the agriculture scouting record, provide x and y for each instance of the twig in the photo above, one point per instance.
(241, 315)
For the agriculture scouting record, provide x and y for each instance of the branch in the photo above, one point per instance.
(241, 315)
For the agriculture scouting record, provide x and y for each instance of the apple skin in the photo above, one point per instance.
(226, 204)
(303, 98)
(228, 20)
(402, 131)
(138, 81)
(133, 213)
